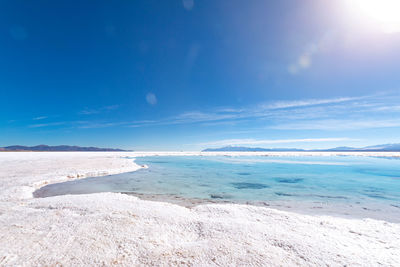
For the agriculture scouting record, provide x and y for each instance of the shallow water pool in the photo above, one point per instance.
(366, 182)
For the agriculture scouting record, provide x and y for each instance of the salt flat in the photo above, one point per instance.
(111, 228)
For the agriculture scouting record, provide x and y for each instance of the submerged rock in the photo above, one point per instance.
(249, 185)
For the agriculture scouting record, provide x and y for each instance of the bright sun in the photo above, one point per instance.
(384, 12)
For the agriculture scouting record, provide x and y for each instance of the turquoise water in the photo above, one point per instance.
(348, 180)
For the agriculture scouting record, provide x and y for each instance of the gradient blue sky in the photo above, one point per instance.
(185, 75)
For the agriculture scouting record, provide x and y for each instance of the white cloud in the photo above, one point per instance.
(47, 124)
(308, 102)
(337, 114)
(40, 118)
(94, 125)
(388, 108)
(338, 125)
(285, 113)
(151, 98)
(92, 111)
(227, 142)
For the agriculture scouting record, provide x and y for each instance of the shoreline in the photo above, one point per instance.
(37, 169)
(112, 228)
(312, 208)
(357, 210)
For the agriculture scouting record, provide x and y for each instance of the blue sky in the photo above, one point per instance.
(185, 75)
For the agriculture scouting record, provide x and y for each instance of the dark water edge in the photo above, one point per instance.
(315, 208)
(349, 211)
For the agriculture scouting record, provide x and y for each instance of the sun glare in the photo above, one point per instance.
(384, 12)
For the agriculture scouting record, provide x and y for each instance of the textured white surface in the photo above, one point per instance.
(109, 228)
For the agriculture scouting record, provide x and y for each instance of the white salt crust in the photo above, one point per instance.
(112, 228)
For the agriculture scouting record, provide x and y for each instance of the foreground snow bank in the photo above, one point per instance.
(109, 228)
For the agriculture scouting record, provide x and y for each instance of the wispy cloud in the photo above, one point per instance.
(388, 108)
(308, 102)
(277, 110)
(40, 118)
(186, 118)
(91, 111)
(94, 125)
(47, 124)
(340, 113)
(338, 125)
(227, 142)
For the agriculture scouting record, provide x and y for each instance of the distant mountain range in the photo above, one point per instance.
(56, 148)
(377, 148)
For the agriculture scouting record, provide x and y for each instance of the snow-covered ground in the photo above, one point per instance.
(110, 228)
